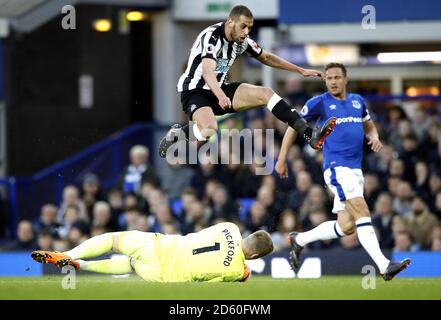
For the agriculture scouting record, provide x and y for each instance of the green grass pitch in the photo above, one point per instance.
(258, 287)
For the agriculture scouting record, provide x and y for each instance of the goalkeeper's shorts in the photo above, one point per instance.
(144, 248)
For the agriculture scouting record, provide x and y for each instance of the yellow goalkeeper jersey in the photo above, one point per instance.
(213, 254)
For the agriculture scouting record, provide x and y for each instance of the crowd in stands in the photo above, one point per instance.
(402, 189)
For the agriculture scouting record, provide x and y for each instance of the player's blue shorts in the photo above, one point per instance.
(346, 183)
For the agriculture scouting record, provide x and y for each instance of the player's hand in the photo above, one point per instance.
(282, 169)
(312, 73)
(225, 102)
(375, 144)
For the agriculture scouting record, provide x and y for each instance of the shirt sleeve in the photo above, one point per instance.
(210, 46)
(312, 109)
(253, 49)
(365, 111)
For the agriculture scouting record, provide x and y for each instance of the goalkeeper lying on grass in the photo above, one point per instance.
(216, 254)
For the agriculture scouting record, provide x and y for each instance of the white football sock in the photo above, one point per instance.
(275, 98)
(325, 231)
(197, 133)
(369, 241)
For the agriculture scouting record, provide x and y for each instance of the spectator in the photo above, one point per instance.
(188, 196)
(197, 217)
(404, 243)
(420, 122)
(163, 216)
(247, 181)
(48, 219)
(61, 245)
(382, 220)
(45, 240)
(399, 225)
(379, 163)
(91, 192)
(178, 176)
(223, 206)
(316, 199)
(116, 202)
(96, 231)
(72, 215)
(266, 196)
(71, 197)
(155, 199)
(138, 171)
(371, 189)
(397, 168)
(350, 242)
(421, 222)
(392, 186)
(206, 171)
(404, 129)
(288, 222)
(169, 228)
(142, 224)
(129, 219)
(296, 197)
(403, 201)
(131, 200)
(210, 186)
(25, 238)
(102, 217)
(422, 180)
(259, 219)
(78, 233)
(434, 184)
(432, 146)
(409, 153)
(394, 115)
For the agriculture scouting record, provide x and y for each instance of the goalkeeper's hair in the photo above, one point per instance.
(260, 242)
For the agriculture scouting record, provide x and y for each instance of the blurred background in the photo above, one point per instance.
(88, 88)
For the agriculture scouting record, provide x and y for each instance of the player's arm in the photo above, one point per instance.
(288, 139)
(209, 74)
(272, 60)
(372, 136)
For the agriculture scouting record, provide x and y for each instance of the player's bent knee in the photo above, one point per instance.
(208, 129)
(265, 94)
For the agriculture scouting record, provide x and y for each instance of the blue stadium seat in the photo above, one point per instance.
(245, 205)
(176, 206)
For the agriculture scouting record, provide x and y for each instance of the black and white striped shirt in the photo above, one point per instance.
(212, 43)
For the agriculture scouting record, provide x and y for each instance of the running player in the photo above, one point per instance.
(204, 93)
(214, 254)
(342, 155)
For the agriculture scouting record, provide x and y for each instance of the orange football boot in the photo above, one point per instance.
(58, 258)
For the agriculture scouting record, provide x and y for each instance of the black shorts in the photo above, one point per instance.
(197, 98)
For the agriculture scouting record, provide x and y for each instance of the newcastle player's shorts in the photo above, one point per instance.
(197, 98)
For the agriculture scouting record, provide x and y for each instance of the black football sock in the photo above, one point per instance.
(289, 115)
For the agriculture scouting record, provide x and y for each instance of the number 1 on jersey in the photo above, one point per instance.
(216, 247)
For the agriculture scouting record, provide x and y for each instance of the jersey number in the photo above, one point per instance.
(216, 247)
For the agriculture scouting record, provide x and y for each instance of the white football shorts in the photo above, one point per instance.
(346, 183)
